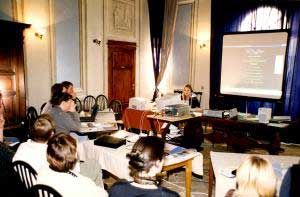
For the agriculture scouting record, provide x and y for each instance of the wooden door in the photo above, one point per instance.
(12, 80)
(121, 70)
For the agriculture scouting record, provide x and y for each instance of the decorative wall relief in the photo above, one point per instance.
(122, 17)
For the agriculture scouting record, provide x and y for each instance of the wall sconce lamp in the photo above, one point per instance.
(40, 33)
(96, 41)
(202, 45)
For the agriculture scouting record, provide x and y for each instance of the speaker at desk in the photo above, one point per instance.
(264, 115)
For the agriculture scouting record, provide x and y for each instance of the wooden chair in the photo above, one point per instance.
(116, 107)
(31, 117)
(102, 102)
(199, 96)
(42, 107)
(26, 173)
(40, 190)
(177, 91)
(78, 105)
(88, 102)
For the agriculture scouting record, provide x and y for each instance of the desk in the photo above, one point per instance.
(220, 160)
(169, 120)
(248, 133)
(245, 133)
(115, 161)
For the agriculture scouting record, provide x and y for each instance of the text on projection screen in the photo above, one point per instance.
(253, 64)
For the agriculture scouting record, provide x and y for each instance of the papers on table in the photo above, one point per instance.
(177, 153)
(94, 127)
(227, 172)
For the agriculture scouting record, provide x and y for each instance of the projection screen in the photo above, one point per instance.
(253, 64)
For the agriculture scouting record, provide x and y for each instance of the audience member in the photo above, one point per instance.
(68, 88)
(10, 182)
(64, 114)
(55, 89)
(290, 183)
(256, 178)
(190, 97)
(62, 157)
(145, 162)
(33, 151)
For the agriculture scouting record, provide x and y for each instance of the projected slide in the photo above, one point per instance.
(253, 64)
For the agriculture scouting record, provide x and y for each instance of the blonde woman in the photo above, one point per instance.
(255, 178)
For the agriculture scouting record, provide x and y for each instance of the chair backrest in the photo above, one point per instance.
(78, 105)
(40, 190)
(31, 117)
(42, 107)
(26, 173)
(88, 102)
(116, 106)
(102, 102)
(177, 91)
(199, 96)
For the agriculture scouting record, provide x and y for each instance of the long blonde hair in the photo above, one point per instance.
(256, 178)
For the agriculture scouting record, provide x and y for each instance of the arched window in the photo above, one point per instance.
(263, 18)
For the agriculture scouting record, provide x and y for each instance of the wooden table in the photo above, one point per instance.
(245, 133)
(188, 174)
(169, 120)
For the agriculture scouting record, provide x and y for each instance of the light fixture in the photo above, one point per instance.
(202, 45)
(40, 32)
(96, 41)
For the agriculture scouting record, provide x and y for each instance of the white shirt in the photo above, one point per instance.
(47, 108)
(33, 153)
(68, 185)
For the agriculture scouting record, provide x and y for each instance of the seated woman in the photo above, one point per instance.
(64, 113)
(189, 97)
(256, 178)
(55, 89)
(145, 162)
(62, 157)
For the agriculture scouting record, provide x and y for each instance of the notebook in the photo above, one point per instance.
(92, 117)
(109, 141)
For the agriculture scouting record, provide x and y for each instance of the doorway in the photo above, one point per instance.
(121, 71)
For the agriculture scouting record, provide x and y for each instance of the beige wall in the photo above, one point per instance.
(201, 76)
(37, 51)
(97, 24)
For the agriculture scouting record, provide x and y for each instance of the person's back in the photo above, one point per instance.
(33, 151)
(145, 162)
(69, 184)
(127, 189)
(62, 158)
(10, 183)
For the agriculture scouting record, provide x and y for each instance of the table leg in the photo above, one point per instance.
(210, 179)
(275, 144)
(153, 126)
(188, 178)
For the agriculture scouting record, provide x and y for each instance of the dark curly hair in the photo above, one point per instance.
(144, 154)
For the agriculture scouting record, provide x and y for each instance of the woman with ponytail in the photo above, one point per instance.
(145, 163)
